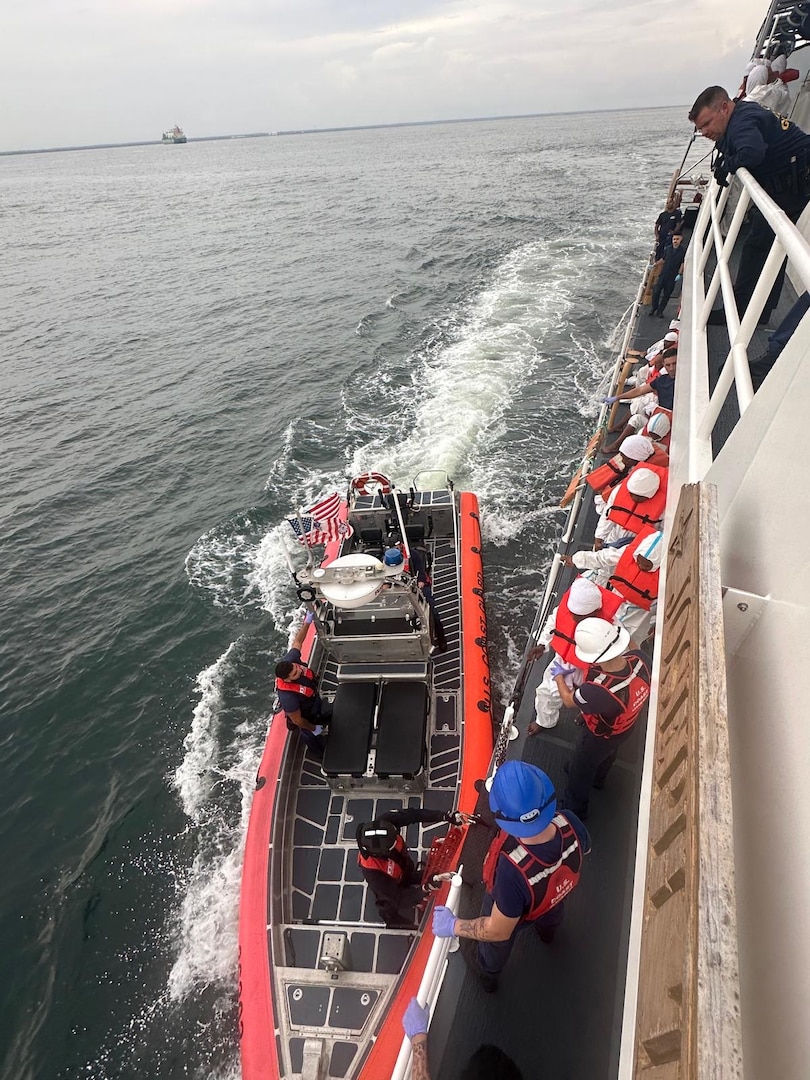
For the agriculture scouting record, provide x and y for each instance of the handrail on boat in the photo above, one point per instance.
(432, 978)
(707, 240)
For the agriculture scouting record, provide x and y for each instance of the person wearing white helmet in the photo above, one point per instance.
(615, 690)
(584, 598)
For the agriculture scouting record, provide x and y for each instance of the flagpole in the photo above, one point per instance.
(402, 532)
(305, 538)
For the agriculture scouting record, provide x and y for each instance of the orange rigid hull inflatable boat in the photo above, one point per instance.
(323, 983)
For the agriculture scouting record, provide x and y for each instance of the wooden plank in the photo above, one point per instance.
(688, 1020)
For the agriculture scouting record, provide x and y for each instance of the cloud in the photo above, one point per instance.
(99, 71)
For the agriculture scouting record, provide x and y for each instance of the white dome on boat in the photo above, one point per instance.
(354, 580)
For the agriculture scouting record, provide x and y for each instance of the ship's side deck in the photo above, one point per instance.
(558, 1009)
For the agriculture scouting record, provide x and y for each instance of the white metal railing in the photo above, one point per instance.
(707, 239)
(432, 979)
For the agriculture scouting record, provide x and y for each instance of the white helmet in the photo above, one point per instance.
(597, 640)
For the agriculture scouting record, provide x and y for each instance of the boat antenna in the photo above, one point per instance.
(398, 511)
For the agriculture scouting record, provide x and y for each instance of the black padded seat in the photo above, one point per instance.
(350, 729)
(415, 532)
(401, 729)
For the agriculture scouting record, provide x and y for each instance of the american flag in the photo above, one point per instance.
(326, 508)
(320, 531)
(320, 522)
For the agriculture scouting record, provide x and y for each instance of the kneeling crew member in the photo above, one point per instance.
(387, 866)
(306, 711)
(532, 865)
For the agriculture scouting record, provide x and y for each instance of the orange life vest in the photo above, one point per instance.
(548, 883)
(562, 638)
(605, 476)
(631, 690)
(392, 867)
(632, 515)
(298, 687)
(638, 586)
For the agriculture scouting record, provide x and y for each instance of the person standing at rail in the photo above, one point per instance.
(532, 865)
(615, 690)
(777, 154)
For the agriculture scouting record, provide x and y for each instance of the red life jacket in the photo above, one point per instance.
(639, 587)
(562, 639)
(298, 687)
(630, 689)
(605, 476)
(548, 883)
(632, 515)
(392, 867)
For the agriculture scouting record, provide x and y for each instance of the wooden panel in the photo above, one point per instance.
(688, 1023)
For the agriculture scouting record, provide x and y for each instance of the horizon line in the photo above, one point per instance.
(327, 130)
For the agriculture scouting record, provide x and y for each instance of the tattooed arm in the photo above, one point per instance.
(493, 927)
(419, 1058)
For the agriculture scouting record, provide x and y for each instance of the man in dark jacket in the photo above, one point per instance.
(387, 866)
(673, 266)
(298, 696)
(777, 154)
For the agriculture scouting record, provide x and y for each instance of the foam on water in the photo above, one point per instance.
(192, 778)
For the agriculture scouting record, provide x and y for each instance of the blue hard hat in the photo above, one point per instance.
(393, 557)
(522, 799)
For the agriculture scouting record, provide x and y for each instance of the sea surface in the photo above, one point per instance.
(195, 340)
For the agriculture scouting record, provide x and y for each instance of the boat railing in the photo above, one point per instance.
(708, 240)
(432, 979)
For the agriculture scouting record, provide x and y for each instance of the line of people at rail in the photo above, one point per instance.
(594, 666)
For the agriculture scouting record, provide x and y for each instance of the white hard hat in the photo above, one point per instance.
(598, 639)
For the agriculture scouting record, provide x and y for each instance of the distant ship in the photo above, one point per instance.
(174, 135)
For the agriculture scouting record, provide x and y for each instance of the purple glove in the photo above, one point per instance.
(609, 400)
(309, 617)
(444, 922)
(318, 729)
(416, 1019)
(559, 668)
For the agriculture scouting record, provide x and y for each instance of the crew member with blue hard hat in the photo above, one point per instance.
(533, 863)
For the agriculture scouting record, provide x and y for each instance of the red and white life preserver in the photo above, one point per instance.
(360, 483)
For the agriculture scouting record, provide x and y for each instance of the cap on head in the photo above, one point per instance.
(584, 597)
(522, 799)
(376, 837)
(393, 557)
(637, 447)
(658, 425)
(597, 640)
(643, 482)
(651, 548)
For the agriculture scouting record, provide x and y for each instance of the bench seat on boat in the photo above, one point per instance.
(401, 729)
(350, 728)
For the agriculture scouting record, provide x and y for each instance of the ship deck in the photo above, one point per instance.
(558, 1009)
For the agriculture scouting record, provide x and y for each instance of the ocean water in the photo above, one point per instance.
(195, 340)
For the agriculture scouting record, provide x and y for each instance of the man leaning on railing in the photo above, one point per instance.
(777, 154)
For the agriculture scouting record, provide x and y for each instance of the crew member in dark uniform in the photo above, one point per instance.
(777, 154)
(298, 695)
(419, 568)
(387, 867)
(533, 863)
(615, 690)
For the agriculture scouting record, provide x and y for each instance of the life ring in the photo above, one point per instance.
(359, 483)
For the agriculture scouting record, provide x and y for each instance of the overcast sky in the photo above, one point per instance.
(88, 71)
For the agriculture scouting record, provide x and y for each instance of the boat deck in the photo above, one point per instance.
(321, 891)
